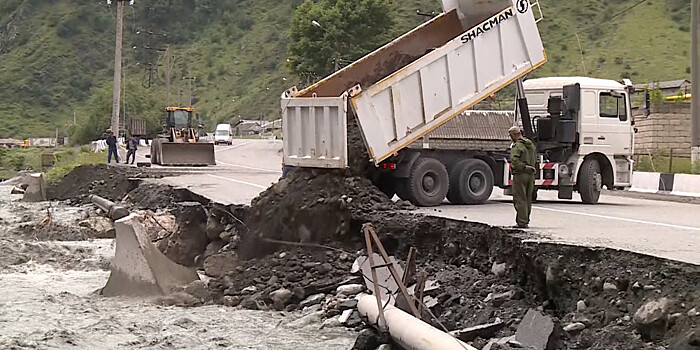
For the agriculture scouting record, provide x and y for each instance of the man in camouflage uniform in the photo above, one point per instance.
(522, 158)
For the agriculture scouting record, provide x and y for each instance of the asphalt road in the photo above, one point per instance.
(664, 229)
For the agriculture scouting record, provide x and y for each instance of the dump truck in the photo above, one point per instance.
(179, 144)
(412, 86)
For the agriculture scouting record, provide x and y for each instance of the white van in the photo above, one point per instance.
(223, 134)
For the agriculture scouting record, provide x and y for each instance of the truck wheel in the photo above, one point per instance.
(591, 181)
(471, 182)
(428, 183)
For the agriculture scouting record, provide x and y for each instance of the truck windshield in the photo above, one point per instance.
(613, 106)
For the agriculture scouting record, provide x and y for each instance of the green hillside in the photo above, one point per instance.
(56, 56)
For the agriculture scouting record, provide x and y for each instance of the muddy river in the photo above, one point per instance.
(48, 300)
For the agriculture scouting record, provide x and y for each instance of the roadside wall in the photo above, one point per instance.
(666, 128)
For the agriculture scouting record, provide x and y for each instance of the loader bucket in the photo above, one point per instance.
(183, 154)
(139, 268)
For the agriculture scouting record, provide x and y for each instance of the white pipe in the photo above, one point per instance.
(408, 331)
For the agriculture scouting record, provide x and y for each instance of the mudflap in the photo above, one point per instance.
(186, 154)
(139, 268)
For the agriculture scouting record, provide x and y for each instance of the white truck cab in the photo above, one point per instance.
(601, 153)
(223, 134)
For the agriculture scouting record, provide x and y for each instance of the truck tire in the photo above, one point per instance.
(471, 182)
(591, 181)
(428, 182)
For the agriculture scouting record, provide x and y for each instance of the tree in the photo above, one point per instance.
(329, 31)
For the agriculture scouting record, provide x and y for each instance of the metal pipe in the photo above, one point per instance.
(408, 331)
(113, 210)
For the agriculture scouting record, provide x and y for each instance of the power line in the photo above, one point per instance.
(607, 21)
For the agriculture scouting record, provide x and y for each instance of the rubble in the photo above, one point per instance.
(485, 331)
(652, 319)
(537, 331)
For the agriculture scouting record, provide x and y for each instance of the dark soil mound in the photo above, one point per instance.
(313, 206)
(155, 196)
(111, 182)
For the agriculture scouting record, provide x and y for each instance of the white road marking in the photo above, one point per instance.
(232, 147)
(247, 167)
(238, 181)
(620, 219)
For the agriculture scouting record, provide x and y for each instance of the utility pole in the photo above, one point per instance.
(695, 80)
(167, 75)
(117, 67)
(190, 82)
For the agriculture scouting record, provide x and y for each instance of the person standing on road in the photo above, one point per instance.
(112, 147)
(132, 145)
(522, 159)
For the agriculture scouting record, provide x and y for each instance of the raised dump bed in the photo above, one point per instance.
(411, 86)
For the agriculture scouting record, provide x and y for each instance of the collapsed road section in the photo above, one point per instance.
(295, 248)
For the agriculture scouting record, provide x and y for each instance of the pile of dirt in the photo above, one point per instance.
(110, 182)
(53, 232)
(313, 206)
(156, 196)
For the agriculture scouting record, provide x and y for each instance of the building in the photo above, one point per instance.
(666, 129)
(668, 88)
(248, 127)
(272, 126)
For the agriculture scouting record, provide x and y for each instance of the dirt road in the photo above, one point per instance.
(658, 228)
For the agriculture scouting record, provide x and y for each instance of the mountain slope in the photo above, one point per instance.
(56, 56)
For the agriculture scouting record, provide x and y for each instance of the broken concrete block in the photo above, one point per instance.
(36, 188)
(689, 340)
(493, 344)
(500, 298)
(537, 330)
(581, 306)
(693, 312)
(139, 268)
(651, 319)
(485, 331)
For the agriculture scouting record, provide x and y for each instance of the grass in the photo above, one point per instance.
(662, 164)
(71, 159)
(65, 159)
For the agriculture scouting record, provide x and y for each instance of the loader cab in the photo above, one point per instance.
(178, 118)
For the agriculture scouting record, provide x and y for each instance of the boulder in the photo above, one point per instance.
(651, 320)
(281, 298)
(484, 331)
(350, 289)
(538, 331)
(313, 300)
(574, 327)
(214, 227)
(499, 269)
(198, 289)
(368, 339)
(98, 227)
(220, 264)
